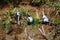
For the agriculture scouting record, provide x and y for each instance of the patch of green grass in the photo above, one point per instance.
(36, 22)
(10, 11)
(57, 5)
(7, 23)
(48, 2)
(55, 21)
(36, 1)
(24, 24)
(23, 10)
(33, 14)
(1, 25)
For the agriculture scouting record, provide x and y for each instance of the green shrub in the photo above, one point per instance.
(33, 14)
(23, 11)
(55, 21)
(36, 20)
(8, 13)
(57, 5)
(1, 25)
(36, 23)
(36, 1)
(7, 23)
(48, 2)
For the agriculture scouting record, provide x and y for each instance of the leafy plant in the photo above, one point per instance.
(48, 2)
(36, 20)
(36, 1)
(23, 10)
(7, 23)
(1, 25)
(55, 21)
(57, 5)
(36, 23)
(8, 13)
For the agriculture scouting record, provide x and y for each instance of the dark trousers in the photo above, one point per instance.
(29, 23)
(44, 22)
(48, 23)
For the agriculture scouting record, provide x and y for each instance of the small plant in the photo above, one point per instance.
(36, 23)
(47, 1)
(10, 12)
(7, 23)
(23, 10)
(1, 25)
(36, 20)
(57, 22)
(57, 5)
(35, 2)
(32, 14)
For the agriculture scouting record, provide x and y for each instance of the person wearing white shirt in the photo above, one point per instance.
(45, 18)
(30, 20)
(58, 31)
(18, 17)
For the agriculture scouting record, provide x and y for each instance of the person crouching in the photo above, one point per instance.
(30, 20)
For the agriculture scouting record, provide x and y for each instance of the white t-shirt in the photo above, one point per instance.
(30, 19)
(45, 19)
(18, 13)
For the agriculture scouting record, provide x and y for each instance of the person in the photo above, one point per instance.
(58, 31)
(45, 18)
(30, 20)
(18, 17)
